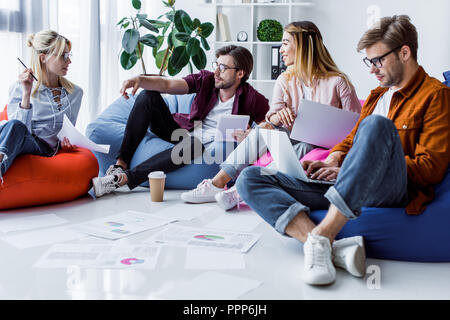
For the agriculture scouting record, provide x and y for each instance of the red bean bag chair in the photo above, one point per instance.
(34, 180)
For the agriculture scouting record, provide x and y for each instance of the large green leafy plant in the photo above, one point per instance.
(183, 39)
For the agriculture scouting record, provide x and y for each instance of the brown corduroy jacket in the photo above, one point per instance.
(421, 114)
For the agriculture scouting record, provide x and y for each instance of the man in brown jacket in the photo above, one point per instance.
(395, 154)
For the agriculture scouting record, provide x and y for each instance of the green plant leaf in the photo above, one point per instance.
(130, 40)
(149, 40)
(145, 23)
(200, 60)
(173, 71)
(205, 44)
(173, 41)
(206, 29)
(179, 58)
(182, 36)
(160, 43)
(137, 4)
(141, 16)
(122, 20)
(178, 20)
(127, 60)
(187, 23)
(141, 47)
(193, 46)
(196, 23)
(160, 57)
(125, 25)
(159, 24)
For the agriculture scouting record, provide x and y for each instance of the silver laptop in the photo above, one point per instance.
(322, 125)
(284, 157)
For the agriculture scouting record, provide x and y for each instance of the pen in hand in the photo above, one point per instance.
(27, 68)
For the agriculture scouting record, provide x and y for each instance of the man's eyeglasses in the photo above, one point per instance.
(377, 60)
(221, 67)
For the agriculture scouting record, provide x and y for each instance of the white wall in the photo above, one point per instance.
(343, 22)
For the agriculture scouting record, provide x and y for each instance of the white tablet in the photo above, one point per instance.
(227, 124)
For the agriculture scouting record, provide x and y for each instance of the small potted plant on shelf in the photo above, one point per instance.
(184, 37)
(270, 30)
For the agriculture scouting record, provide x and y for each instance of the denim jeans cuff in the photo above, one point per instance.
(230, 170)
(336, 199)
(284, 220)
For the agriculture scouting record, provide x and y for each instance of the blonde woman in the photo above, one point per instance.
(36, 108)
(312, 75)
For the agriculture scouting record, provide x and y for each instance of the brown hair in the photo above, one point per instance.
(243, 59)
(312, 60)
(394, 32)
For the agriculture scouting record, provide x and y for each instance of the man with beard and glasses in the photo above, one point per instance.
(222, 92)
(398, 150)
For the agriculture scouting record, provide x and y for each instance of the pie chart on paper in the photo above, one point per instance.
(209, 237)
(132, 261)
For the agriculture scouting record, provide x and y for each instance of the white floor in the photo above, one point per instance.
(274, 260)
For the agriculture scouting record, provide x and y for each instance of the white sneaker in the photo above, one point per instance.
(114, 170)
(204, 192)
(105, 185)
(350, 254)
(319, 269)
(228, 199)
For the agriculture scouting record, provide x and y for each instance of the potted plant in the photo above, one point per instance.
(270, 30)
(184, 37)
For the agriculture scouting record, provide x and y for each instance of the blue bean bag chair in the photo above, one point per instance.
(389, 233)
(109, 128)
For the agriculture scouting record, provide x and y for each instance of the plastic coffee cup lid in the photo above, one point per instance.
(157, 175)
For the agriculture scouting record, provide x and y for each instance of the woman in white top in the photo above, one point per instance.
(312, 75)
(36, 110)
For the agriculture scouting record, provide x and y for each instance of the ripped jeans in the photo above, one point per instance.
(15, 139)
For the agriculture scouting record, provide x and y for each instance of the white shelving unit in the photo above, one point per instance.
(246, 17)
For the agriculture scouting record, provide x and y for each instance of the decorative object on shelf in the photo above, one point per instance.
(278, 66)
(270, 30)
(184, 41)
(224, 27)
(242, 36)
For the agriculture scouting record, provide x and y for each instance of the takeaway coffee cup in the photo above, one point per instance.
(157, 182)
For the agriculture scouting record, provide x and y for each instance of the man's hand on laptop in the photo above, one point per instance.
(320, 170)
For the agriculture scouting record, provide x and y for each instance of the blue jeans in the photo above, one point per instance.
(15, 139)
(373, 174)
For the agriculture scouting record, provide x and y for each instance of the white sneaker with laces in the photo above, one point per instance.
(319, 269)
(105, 185)
(114, 170)
(228, 199)
(350, 254)
(204, 192)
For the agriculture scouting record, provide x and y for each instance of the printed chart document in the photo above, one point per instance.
(201, 259)
(23, 223)
(100, 256)
(78, 139)
(212, 286)
(205, 238)
(121, 225)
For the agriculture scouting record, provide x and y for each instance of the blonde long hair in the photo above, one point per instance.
(312, 60)
(51, 43)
